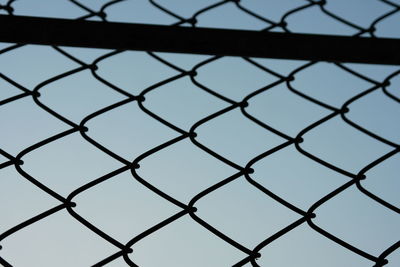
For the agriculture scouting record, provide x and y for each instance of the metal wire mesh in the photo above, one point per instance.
(244, 171)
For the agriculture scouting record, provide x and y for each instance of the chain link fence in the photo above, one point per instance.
(378, 93)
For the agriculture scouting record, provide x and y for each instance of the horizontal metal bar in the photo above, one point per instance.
(80, 33)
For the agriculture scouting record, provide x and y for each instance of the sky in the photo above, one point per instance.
(123, 208)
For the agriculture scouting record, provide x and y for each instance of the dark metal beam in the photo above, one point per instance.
(79, 33)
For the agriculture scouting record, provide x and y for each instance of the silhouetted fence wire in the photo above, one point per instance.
(242, 171)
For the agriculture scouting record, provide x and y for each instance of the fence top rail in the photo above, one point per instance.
(127, 36)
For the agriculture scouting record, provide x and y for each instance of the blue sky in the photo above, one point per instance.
(123, 208)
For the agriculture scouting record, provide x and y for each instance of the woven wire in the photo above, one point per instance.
(245, 171)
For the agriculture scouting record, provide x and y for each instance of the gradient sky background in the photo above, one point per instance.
(124, 208)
